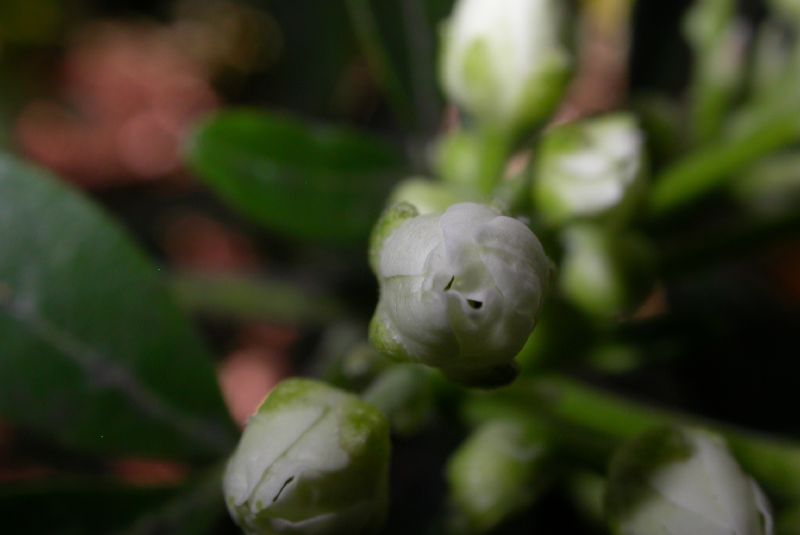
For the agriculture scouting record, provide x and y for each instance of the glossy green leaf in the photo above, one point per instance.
(94, 353)
(317, 183)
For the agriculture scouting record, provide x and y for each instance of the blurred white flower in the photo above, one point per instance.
(589, 168)
(505, 61)
(681, 482)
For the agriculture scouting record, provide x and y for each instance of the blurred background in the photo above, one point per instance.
(108, 95)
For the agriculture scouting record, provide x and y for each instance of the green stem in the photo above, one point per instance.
(709, 168)
(243, 298)
(495, 148)
(590, 423)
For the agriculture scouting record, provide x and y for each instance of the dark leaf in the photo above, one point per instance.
(94, 353)
(316, 183)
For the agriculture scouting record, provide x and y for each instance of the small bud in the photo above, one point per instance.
(604, 272)
(460, 291)
(505, 61)
(458, 158)
(497, 472)
(427, 196)
(589, 169)
(313, 459)
(405, 395)
(683, 481)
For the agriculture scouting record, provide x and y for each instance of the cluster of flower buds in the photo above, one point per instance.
(676, 480)
(460, 290)
(313, 459)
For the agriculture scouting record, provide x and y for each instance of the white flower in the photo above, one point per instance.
(589, 168)
(681, 482)
(505, 61)
(313, 459)
(460, 291)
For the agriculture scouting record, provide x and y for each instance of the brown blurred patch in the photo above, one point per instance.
(277, 338)
(655, 305)
(148, 472)
(28, 472)
(127, 96)
(601, 80)
(246, 376)
(784, 266)
(198, 243)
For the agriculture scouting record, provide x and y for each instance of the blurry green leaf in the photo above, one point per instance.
(94, 353)
(316, 183)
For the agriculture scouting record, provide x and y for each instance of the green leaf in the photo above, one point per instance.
(316, 183)
(94, 353)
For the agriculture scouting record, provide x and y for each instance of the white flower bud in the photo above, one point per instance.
(588, 169)
(505, 61)
(313, 459)
(460, 291)
(678, 481)
(603, 272)
(499, 471)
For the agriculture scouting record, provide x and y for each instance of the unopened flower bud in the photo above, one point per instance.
(497, 472)
(683, 481)
(405, 395)
(505, 61)
(460, 291)
(428, 196)
(313, 459)
(603, 272)
(589, 169)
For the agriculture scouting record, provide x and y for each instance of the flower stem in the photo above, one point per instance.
(495, 148)
(704, 171)
(245, 298)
